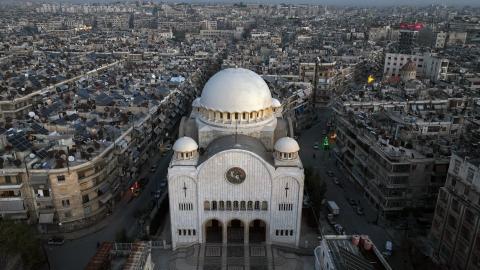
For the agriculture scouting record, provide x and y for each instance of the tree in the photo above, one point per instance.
(316, 187)
(19, 239)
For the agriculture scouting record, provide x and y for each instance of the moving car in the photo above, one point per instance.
(56, 241)
(153, 168)
(316, 145)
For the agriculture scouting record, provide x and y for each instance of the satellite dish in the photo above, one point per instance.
(22, 89)
(36, 117)
(32, 155)
(31, 114)
(71, 158)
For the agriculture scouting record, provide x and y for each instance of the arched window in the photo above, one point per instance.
(221, 205)
(242, 205)
(257, 205)
(228, 116)
(291, 232)
(235, 205)
(251, 115)
(206, 205)
(229, 205)
(264, 205)
(250, 205)
(214, 205)
(236, 116)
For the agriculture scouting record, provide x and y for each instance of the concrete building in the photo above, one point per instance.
(235, 176)
(428, 66)
(337, 252)
(455, 231)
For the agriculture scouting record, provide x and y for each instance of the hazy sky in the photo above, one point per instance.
(321, 2)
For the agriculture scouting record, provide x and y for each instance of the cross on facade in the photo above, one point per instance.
(184, 189)
(286, 190)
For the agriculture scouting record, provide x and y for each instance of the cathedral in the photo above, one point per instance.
(235, 175)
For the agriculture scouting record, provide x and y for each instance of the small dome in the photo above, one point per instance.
(236, 90)
(185, 144)
(286, 145)
(276, 103)
(409, 66)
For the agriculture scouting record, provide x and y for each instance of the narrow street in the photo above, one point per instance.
(353, 223)
(75, 254)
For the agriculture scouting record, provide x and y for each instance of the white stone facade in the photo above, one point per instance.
(236, 187)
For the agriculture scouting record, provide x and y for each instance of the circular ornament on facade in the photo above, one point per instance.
(235, 175)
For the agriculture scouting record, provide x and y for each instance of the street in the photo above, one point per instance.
(75, 254)
(352, 222)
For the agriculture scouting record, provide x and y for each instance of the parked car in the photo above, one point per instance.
(360, 211)
(316, 145)
(339, 229)
(163, 184)
(56, 241)
(153, 168)
(336, 181)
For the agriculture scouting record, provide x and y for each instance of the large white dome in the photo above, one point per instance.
(236, 90)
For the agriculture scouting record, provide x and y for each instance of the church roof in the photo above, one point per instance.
(236, 90)
(242, 142)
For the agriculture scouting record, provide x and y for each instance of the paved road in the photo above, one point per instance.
(353, 223)
(75, 254)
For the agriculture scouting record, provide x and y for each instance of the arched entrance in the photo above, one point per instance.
(213, 231)
(257, 231)
(235, 231)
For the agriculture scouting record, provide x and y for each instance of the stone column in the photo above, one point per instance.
(224, 233)
(245, 233)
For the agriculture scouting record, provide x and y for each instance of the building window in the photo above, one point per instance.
(85, 198)
(8, 180)
(214, 205)
(257, 205)
(67, 214)
(470, 175)
(60, 178)
(456, 166)
(243, 205)
(264, 205)
(250, 205)
(229, 205)
(206, 205)
(221, 205)
(235, 205)
(66, 203)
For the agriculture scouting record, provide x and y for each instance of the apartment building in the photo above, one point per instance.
(394, 177)
(64, 168)
(455, 231)
(429, 66)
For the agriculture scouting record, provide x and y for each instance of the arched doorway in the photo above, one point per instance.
(213, 231)
(257, 231)
(235, 231)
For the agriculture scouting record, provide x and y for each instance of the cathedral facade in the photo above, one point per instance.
(235, 176)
